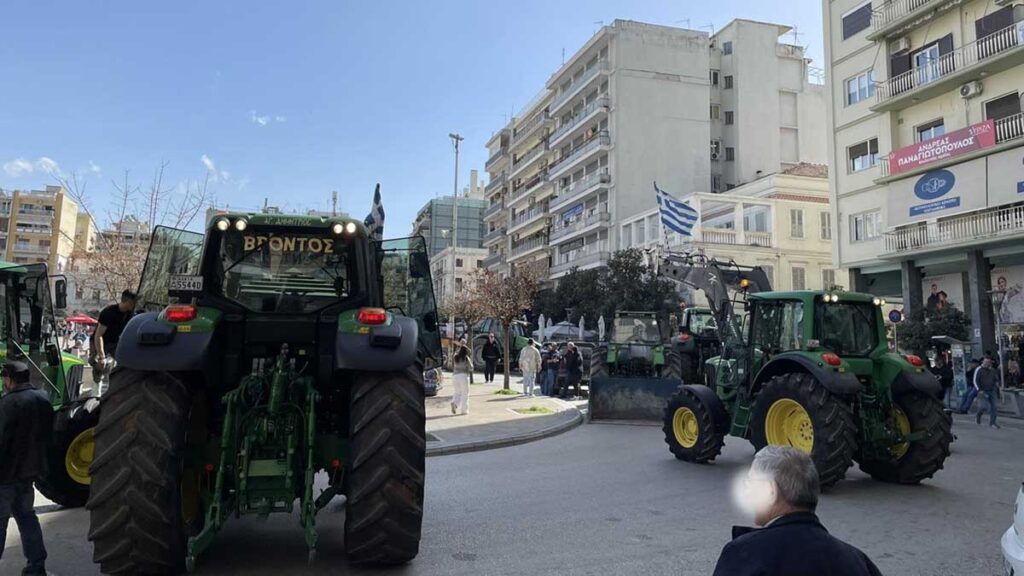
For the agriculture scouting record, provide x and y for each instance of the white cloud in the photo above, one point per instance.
(265, 119)
(48, 165)
(208, 162)
(280, 118)
(94, 168)
(22, 167)
(211, 168)
(18, 167)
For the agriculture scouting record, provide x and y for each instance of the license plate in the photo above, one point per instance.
(183, 283)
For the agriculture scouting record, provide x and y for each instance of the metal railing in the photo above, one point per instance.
(493, 209)
(495, 183)
(528, 245)
(530, 215)
(494, 157)
(585, 256)
(573, 89)
(600, 139)
(493, 260)
(32, 248)
(529, 156)
(893, 10)
(573, 122)
(529, 186)
(569, 193)
(949, 63)
(1007, 129)
(494, 235)
(526, 129)
(582, 224)
(23, 230)
(985, 224)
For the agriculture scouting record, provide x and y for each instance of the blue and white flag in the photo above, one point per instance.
(375, 221)
(676, 216)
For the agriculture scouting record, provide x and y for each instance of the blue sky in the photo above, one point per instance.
(289, 101)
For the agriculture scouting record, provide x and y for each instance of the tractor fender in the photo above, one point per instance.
(707, 397)
(384, 349)
(149, 343)
(836, 382)
(911, 381)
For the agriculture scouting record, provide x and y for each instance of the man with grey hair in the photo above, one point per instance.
(781, 492)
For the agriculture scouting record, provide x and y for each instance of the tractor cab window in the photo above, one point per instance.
(29, 328)
(629, 329)
(701, 322)
(288, 272)
(777, 326)
(847, 328)
(171, 251)
(405, 275)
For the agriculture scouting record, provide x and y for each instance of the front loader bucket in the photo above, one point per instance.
(618, 398)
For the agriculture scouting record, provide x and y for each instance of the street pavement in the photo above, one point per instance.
(609, 499)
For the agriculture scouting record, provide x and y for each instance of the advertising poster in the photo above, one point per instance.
(1008, 301)
(950, 145)
(943, 290)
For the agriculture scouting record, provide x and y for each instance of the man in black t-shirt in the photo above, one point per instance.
(112, 321)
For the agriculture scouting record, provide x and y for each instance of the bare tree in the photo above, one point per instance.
(467, 307)
(505, 298)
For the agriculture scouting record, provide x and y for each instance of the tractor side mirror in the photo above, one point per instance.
(60, 289)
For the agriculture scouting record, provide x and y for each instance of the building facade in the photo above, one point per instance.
(467, 262)
(38, 226)
(435, 221)
(928, 165)
(639, 104)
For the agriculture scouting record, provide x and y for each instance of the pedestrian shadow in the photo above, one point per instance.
(440, 416)
(47, 508)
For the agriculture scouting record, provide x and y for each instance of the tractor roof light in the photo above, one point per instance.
(241, 224)
(222, 224)
(914, 360)
(338, 228)
(877, 302)
(180, 313)
(835, 298)
(372, 316)
(350, 228)
(745, 284)
(881, 302)
(831, 359)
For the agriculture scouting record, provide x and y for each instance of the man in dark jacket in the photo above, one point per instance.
(491, 354)
(781, 492)
(26, 419)
(573, 369)
(985, 382)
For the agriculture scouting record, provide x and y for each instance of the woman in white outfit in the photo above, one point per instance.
(462, 364)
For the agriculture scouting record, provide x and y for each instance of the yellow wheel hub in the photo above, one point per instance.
(79, 456)
(685, 427)
(788, 424)
(903, 424)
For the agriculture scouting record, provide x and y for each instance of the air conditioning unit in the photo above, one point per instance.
(899, 45)
(714, 155)
(970, 90)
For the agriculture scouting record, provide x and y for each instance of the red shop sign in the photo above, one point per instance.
(956, 143)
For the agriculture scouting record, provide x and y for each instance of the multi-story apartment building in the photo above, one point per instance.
(639, 104)
(466, 262)
(38, 226)
(927, 156)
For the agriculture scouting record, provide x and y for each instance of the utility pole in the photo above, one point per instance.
(456, 139)
(334, 203)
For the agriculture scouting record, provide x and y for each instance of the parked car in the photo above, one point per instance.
(433, 381)
(1013, 539)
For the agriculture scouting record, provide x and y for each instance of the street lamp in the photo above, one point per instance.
(456, 139)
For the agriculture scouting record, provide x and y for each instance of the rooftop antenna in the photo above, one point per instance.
(687, 20)
(709, 26)
(334, 203)
(563, 54)
(599, 24)
(796, 36)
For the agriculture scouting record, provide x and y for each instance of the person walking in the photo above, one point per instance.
(985, 379)
(573, 370)
(972, 392)
(462, 365)
(26, 421)
(530, 365)
(944, 374)
(552, 361)
(780, 492)
(111, 324)
(491, 353)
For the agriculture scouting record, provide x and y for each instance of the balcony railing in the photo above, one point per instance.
(32, 248)
(528, 216)
(528, 157)
(586, 256)
(495, 183)
(574, 88)
(494, 235)
(568, 230)
(730, 237)
(1002, 222)
(569, 193)
(494, 157)
(529, 186)
(1007, 129)
(894, 10)
(527, 246)
(526, 129)
(493, 260)
(577, 118)
(599, 139)
(493, 209)
(948, 64)
(43, 231)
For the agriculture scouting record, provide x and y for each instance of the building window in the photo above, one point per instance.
(864, 155)
(730, 154)
(639, 232)
(458, 262)
(828, 278)
(1002, 107)
(867, 226)
(799, 278)
(728, 82)
(730, 117)
(796, 223)
(714, 77)
(716, 111)
(860, 87)
(726, 48)
(479, 263)
(716, 182)
(856, 20)
(627, 237)
(931, 130)
(769, 271)
(826, 225)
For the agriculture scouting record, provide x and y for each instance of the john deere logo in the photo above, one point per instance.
(934, 184)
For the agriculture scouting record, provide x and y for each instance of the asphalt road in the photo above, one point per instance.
(609, 499)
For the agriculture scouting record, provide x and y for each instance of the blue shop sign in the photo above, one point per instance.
(572, 212)
(932, 186)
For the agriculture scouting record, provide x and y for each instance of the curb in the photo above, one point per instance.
(553, 430)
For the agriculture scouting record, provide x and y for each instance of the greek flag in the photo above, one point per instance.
(375, 220)
(676, 216)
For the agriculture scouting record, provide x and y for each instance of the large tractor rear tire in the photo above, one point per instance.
(673, 368)
(796, 410)
(67, 476)
(915, 461)
(135, 508)
(384, 482)
(599, 362)
(689, 427)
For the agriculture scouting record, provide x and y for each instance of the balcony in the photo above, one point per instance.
(493, 260)
(580, 188)
(494, 235)
(496, 183)
(577, 86)
(591, 256)
(1008, 130)
(524, 190)
(993, 53)
(528, 247)
(493, 210)
(520, 163)
(582, 151)
(34, 231)
(34, 216)
(730, 237)
(986, 225)
(897, 16)
(31, 249)
(600, 104)
(569, 231)
(493, 160)
(524, 131)
(528, 217)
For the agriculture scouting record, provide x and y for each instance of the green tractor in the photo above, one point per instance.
(273, 349)
(697, 342)
(812, 370)
(638, 347)
(30, 336)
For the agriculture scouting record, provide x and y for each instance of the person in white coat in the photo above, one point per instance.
(529, 364)
(462, 365)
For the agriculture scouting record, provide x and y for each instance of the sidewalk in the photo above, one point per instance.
(493, 420)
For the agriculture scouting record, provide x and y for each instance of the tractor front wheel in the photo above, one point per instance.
(912, 462)
(673, 368)
(67, 474)
(689, 427)
(135, 512)
(385, 478)
(796, 410)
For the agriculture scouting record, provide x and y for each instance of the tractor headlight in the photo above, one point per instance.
(338, 228)
(876, 302)
(241, 224)
(835, 297)
(222, 224)
(881, 302)
(350, 227)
